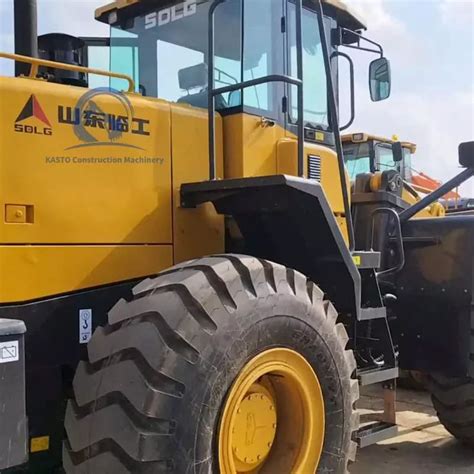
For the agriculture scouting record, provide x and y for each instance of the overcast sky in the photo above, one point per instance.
(431, 47)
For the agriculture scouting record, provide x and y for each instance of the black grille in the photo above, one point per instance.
(314, 167)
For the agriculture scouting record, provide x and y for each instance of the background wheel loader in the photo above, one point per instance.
(155, 344)
(365, 153)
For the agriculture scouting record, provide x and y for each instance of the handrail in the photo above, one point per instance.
(334, 122)
(352, 82)
(36, 63)
(256, 82)
(398, 235)
(212, 92)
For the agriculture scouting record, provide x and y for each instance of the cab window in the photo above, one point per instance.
(169, 56)
(407, 165)
(168, 51)
(314, 70)
(384, 157)
(357, 159)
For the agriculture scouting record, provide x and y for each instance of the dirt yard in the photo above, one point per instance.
(422, 446)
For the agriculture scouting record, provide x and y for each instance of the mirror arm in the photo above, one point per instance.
(379, 49)
(435, 195)
(352, 82)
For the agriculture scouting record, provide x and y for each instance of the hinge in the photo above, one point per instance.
(283, 24)
(336, 36)
(284, 104)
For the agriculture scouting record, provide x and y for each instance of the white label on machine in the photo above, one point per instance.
(9, 352)
(85, 325)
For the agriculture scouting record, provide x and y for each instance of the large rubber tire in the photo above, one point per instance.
(149, 398)
(453, 400)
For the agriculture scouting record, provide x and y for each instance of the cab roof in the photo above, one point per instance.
(343, 14)
(366, 137)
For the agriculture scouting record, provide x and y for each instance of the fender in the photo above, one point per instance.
(287, 220)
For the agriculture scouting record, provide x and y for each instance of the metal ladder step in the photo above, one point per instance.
(367, 314)
(375, 432)
(371, 376)
(364, 260)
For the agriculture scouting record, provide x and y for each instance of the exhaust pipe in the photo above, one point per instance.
(26, 32)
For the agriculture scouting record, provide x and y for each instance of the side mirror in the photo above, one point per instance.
(466, 154)
(380, 79)
(397, 151)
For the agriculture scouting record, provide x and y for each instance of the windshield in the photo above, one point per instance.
(314, 70)
(384, 157)
(166, 52)
(357, 158)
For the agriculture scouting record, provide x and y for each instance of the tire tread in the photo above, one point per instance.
(135, 430)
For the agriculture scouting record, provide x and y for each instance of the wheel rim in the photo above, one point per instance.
(273, 417)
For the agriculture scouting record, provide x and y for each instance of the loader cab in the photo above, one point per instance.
(365, 153)
(164, 47)
(272, 75)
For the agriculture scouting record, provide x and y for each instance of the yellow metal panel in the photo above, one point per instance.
(199, 231)
(127, 201)
(287, 156)
(431, 211)
(287, 163)
(15, 214)
(253, 149)
(342, 223)
(344, 14)
(30, 272)
(330, 177)
(117, 4)
(330, 180)
(250, 146)
(233, 146)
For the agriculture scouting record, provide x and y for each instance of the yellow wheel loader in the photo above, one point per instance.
(189, 284)
(387, 161)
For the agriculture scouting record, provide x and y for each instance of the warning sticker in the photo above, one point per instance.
(85, 325)
(39, 444)
(9, 352)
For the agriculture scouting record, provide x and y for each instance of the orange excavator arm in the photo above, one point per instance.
(425, 182)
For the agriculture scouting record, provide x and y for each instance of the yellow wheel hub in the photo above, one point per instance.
(253, 431)
(273, 418)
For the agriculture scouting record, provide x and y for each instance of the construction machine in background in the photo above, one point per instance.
(381, 158)
(155, 344)
(388, 163)
(366, 153)
(458, 206)
(426, 184)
